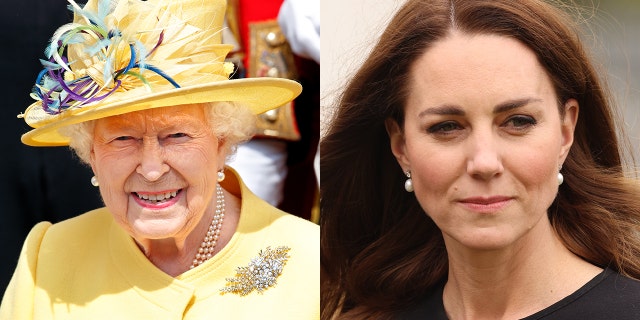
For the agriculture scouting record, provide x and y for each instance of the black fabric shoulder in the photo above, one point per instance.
(430, 307)
(609, 295)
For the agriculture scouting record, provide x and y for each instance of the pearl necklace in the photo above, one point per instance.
(208, 245)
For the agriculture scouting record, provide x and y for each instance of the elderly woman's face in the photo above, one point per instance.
(157, 169)
(484, 140)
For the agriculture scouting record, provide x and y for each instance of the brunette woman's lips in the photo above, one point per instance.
(157, 200)
(486, 204)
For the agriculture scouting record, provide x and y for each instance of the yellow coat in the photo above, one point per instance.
(89, 268)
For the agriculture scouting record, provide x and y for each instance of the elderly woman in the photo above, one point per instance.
(473, 171)
(140, 91)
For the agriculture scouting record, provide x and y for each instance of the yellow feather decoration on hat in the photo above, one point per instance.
(129, 47)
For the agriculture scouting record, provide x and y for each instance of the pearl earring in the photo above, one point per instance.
(94, 181)
(221, 175)
(408, 184)
(560, 176)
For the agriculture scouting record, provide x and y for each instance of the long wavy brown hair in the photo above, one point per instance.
(380, 251)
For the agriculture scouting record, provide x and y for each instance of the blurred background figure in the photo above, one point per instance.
(280, 157)
(300, 22)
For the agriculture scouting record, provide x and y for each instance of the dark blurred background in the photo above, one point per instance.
(36, 184)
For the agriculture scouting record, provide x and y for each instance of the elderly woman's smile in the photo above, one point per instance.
(165, 177)
(162, 199)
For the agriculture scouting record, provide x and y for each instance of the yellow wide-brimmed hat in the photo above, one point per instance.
(130, 55)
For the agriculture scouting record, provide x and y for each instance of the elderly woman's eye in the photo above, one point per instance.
(123, 138)
(177, 135)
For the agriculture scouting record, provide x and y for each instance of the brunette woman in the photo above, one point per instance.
(473, 171)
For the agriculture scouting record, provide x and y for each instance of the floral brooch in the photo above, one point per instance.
(260, 274)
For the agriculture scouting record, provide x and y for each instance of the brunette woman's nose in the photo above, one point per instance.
(484, 160)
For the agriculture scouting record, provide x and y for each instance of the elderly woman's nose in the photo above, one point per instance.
(152, 162)
(484, 159)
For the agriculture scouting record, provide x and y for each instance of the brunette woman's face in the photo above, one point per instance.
(483, 138)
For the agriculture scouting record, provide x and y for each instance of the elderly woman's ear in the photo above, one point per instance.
(223, 153)
(95, 180)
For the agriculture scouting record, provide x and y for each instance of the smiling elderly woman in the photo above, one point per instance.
(143, 96)
(164, 158)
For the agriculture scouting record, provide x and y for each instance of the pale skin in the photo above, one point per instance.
(157, 152)
(484, 139)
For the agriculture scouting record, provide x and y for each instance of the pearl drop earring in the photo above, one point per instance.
(94, 181)
(221, 175)
(560, 176)
(408, 184)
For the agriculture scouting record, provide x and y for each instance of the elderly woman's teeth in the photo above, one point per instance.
(157, 197)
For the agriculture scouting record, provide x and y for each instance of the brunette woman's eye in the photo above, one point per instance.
(520, 122)
(444, 127)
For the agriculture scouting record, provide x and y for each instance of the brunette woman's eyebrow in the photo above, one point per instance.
(454, 110)
(445, 110)
(513, 104)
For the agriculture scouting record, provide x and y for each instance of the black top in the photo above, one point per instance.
(607, 296)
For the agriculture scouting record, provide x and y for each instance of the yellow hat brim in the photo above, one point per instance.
(258, 94)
